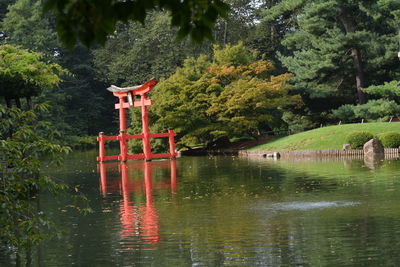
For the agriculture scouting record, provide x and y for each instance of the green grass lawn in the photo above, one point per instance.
(330, 137)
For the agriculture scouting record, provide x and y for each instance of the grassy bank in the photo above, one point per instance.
(330, 137)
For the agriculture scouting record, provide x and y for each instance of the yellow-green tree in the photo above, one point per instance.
(230, 95)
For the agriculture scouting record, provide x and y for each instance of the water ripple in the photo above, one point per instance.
(311, 205)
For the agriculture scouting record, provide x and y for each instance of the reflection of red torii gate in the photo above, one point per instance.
(137, 220)
(123, 167)
(126, 98)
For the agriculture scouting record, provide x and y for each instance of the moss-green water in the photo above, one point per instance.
(227, 211)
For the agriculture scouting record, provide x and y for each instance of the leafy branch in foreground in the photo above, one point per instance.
(92, 21)
(22, 223)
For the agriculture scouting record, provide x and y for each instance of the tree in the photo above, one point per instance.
(138, 52)
(80, 105)
(3, 11)
(238, 24)
(340, 47)
(23, 74)
(230, 95)
(25, 26)
(91, 22)
(270, 30)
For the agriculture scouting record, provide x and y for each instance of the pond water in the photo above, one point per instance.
(212, 211)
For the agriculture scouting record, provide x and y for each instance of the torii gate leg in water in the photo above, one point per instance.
(129, 93)
(145, 129)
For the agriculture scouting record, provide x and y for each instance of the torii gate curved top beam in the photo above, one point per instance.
(136, 90)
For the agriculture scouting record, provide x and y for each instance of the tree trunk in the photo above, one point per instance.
(356, 55)
(8, 102)
(360, 78)
(18, 102)
(225, 31)
(29, 101)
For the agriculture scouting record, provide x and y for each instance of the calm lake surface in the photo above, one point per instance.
(211, 211)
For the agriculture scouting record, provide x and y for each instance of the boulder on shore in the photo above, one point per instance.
(373, 146)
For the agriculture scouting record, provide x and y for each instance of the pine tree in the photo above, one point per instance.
(339, 47)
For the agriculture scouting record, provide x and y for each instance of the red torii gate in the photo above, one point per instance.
(126, 98)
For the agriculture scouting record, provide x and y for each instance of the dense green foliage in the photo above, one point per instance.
(388, 90)
(383, 108)
(330, 137)
(25, 26)
(390, 139)
(357, 139)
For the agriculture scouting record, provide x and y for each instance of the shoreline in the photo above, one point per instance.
(329, 153)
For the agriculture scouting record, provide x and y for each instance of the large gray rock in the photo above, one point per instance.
(372, 147)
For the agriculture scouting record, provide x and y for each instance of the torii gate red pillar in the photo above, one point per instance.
(145, 128)
(128, 94)
(123, 146)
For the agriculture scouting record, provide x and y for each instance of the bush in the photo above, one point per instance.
(357, 139)
(390, 139)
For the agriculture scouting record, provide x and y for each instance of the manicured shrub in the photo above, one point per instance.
(390, 139)
(357, 139)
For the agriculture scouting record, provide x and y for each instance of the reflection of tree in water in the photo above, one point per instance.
(214, 176)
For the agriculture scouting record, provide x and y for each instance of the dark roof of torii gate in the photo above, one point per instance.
(137, 89)
(116, 89)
